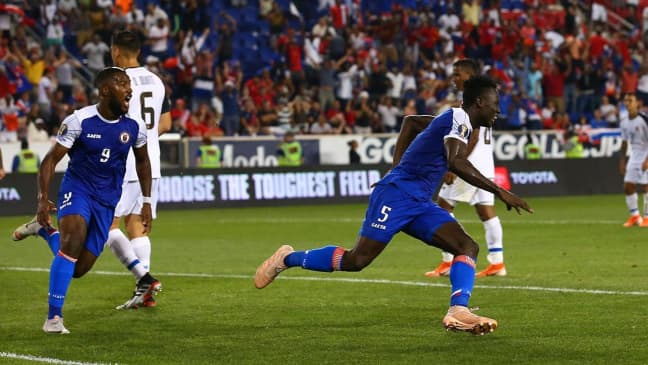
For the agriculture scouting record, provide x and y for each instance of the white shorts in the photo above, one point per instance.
(131, 199)
(461, 191)
(635, 175)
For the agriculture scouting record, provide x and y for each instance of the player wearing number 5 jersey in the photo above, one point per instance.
(455, 190)
(426, 148)
(150, 104)
(98, 139)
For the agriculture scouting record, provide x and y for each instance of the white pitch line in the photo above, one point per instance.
(359, 220)
(357, 280)
(48, 360)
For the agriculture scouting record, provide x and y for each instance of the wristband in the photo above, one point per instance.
(146, 200)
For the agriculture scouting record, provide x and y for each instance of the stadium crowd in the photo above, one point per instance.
(260, 67)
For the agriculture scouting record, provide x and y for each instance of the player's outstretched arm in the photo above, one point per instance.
(412, 126)
(45, 173)
(458, 163)
(143, 167)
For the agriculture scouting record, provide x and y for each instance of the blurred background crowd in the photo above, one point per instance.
(265, 67)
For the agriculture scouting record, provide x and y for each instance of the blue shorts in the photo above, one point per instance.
(391, 211)
(98, 217)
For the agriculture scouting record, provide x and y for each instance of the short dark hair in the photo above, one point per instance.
(106, 75)
(469, 65)
(127, 41)
(475, 87)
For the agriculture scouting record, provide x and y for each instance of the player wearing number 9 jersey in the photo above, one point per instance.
(150, 104)
(98, 139)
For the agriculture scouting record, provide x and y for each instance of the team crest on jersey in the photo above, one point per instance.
(63, 130)
(463, 131)
(124, 137)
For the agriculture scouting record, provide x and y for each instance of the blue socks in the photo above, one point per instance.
(61, 273)
(462, 278)
(324, 259)
(51, 236)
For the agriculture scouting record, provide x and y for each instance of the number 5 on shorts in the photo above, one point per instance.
(385, 213)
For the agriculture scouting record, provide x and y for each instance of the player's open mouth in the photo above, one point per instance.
(127, 100)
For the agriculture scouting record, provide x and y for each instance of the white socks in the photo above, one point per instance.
(142, 248)
(122, 248)
(447, 256)
(632, 201)
(494, 235)
(494, 238)
(645, 204)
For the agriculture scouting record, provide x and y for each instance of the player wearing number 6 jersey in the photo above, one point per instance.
(454, 190)
(98, 139)
(150, 104)
(426, 148)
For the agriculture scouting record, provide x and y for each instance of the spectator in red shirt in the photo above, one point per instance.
(597, 44)
(335, 115)
(510, 37)
(180, 114)
(553, 80)
(253, 85)
(528, 32)
(340, 15)
(428, 36)
(197, 124)
(294, 56)
(629, 79)
(622, 47)
(487, 34)
(266, 80)
(5, 84)
(264, 95)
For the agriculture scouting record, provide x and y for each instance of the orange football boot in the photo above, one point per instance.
(442, 270)
(634, 219)
(493, 270)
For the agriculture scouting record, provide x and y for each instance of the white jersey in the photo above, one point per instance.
(482, 158)
(482, 154)
(147, 104)
(635, 132)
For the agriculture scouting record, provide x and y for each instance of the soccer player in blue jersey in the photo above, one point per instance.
(426, 148)
(97, 139)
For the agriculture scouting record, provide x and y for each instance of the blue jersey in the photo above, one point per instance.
(424, 163)
(98, 152)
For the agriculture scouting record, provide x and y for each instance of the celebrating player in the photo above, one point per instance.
(480, 154)
(98, 139)
(634, 131)
(424, 151)
(151, 105)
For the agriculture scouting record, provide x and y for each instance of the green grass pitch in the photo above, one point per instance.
(576, 293)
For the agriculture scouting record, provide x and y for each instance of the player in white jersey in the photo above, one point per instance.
(634, 131)
(456, 190)
(150, 104)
